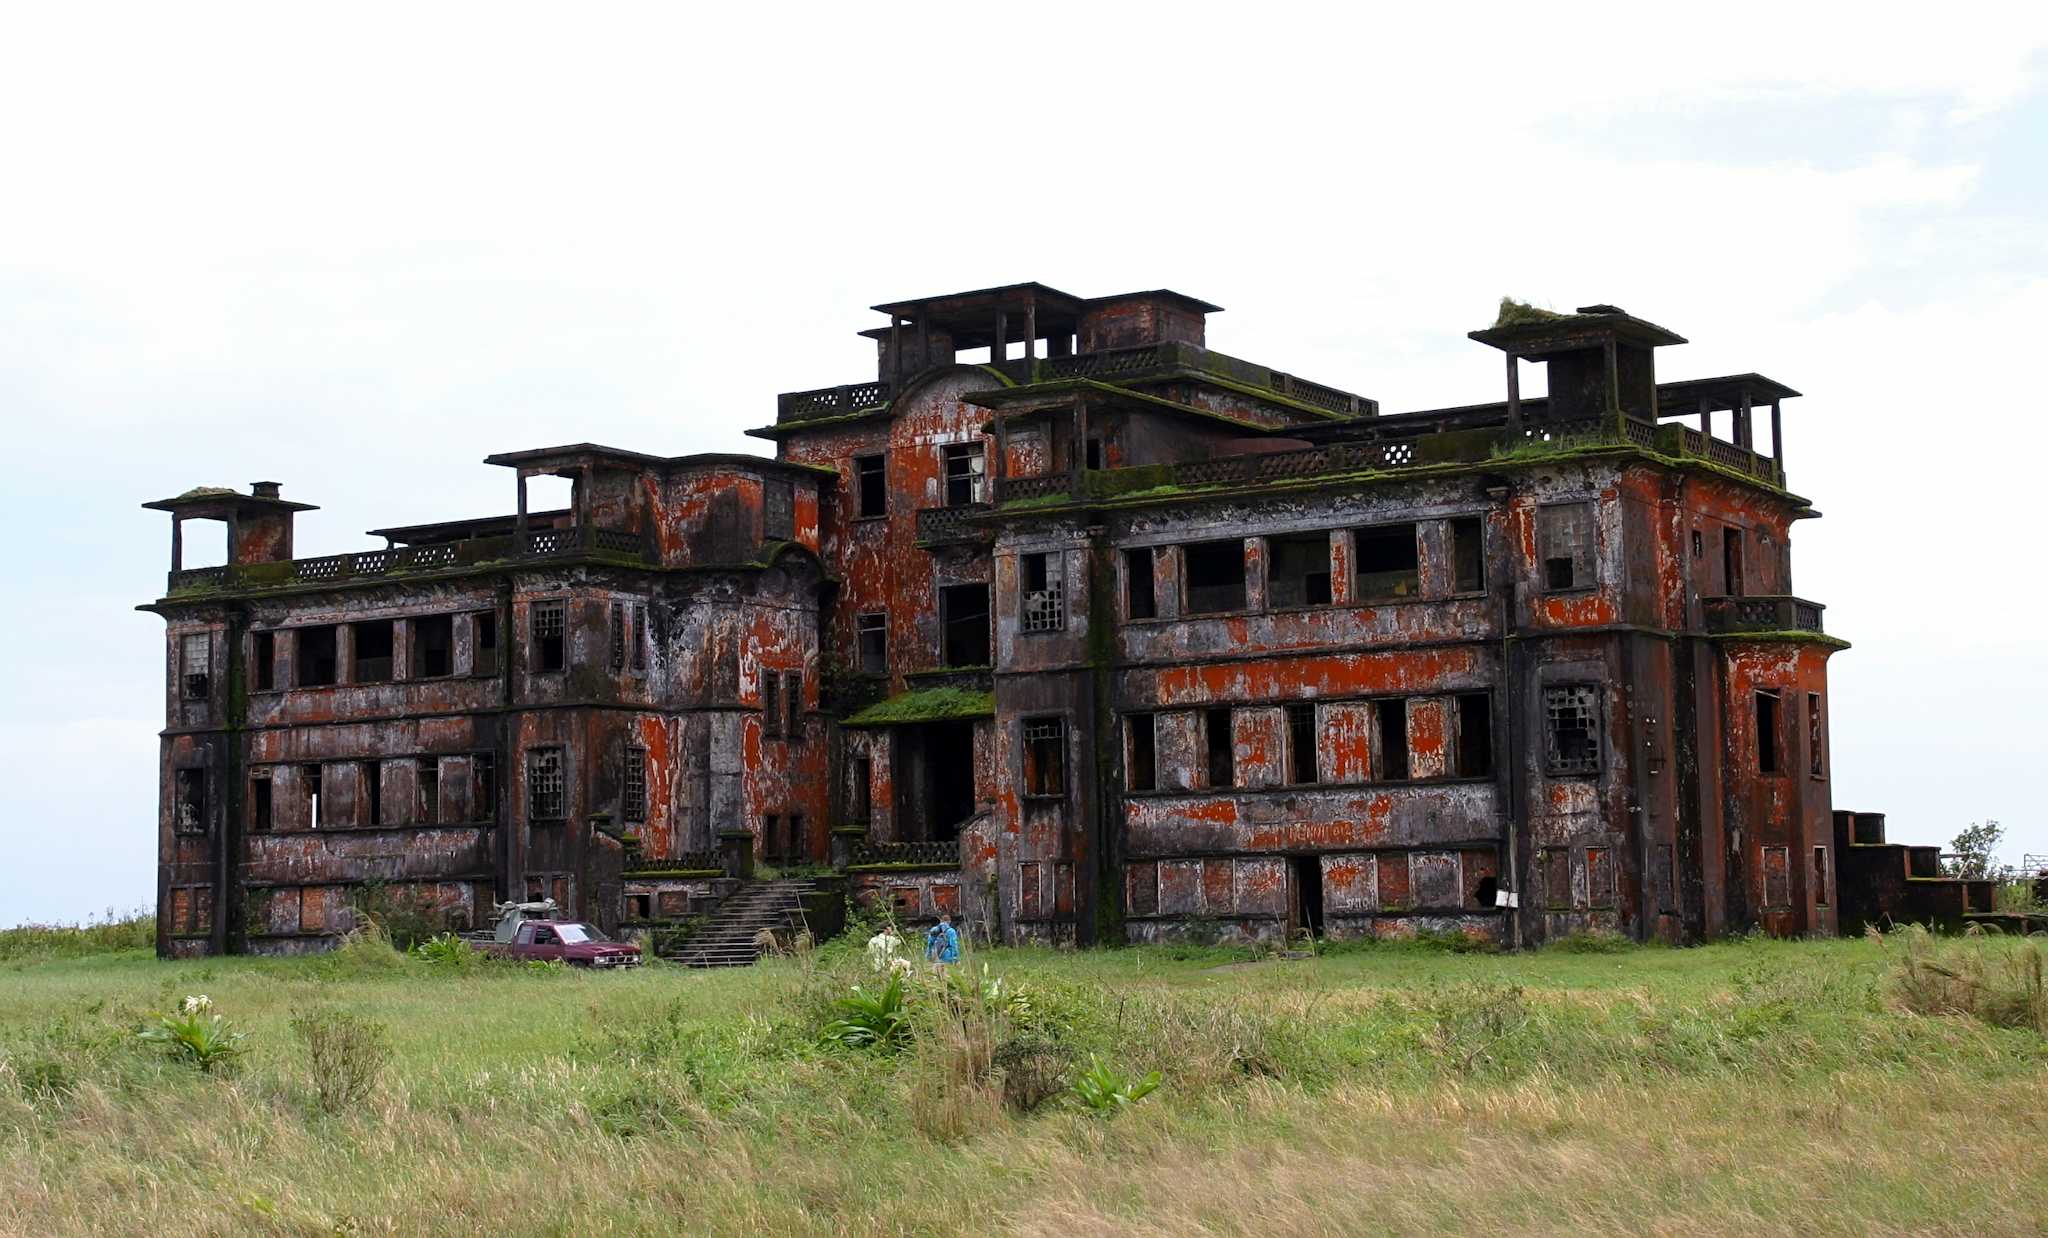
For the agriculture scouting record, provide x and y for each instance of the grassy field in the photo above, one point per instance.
(1748, 1087)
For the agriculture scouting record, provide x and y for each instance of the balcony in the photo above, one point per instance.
(1770, 613)
(941, 526)
(830, 401)
(907, 855)
(537, 544)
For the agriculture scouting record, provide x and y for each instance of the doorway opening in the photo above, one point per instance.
(1307, 909)
(949, 778)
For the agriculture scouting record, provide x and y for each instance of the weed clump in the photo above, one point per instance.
(1991, 978)
(345, 1056)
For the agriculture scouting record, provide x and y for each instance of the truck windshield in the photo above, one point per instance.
(575, 933)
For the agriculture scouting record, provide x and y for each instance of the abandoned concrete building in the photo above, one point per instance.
(1061, 623)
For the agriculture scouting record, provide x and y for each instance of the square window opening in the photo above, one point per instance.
(195, 654)
(1565, 542)
(966, 468)
(1572, 729)
(1389, 564)
(872, 632)
(316, 664)
(373, 644)
(1215, 577)
(1300, 570)
(433, 646)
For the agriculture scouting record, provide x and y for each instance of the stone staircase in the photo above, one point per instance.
(729, 937)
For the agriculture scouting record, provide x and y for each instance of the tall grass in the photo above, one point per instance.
(113, 932)
(1748, 1087)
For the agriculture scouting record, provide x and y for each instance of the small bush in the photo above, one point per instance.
(136, 930)
(364, 952)
(1107, 1091)
(345, 1056)
(876, 1020)
(194, 1034)
(449, 951)
(1034, 1071)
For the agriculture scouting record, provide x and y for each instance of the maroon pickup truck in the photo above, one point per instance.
(571, 941)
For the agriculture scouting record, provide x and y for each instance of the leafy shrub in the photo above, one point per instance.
(345, 1055)
(1033, 1069)
(876, 1020)
(1107, 1091)
(448, 950)
(1475, 1025)
(404, 915)
(194, 1034)
(364, 952)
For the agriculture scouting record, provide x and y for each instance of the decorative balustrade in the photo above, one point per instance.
(1104, 364)
(1035, 487)
(938, 525)
(540, 543)
(688, 861)
(1766, 613)
(830, 401)
(927, 855)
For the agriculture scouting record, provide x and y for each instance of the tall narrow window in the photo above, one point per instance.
(1141, 766)
(195, 655)
(793, 848)
(793, 705)
(860, 772)
(484, 795)
(1389, 565)
(1468, 555)
(1815, 738)
(1475, 735)
(433, 646)
(310, 776)
(872, 486)
(633, 786)
(189, 812)
(1045, 756)
(1392, 716)
(778, 509)
(427, 787)
(1766, 732)
(965, 465)
(1214, 577)
(1138, 600)
(1820, 876)
(1572, 729)
(1042, 603)
(640, 637)
(550, 632)
(486, 660)
(260, 810)
(263, 659)
(316, 665)
(1220, 748)
(963, 611)
(771, 836)
(1298, 571)
(1565, 542)
(1301, 743)
(1092, 455)
(619, 635)
(872, 632)
(771, 702)
(372, 785)
(1731, 561)
(546, 790)
(373, 644)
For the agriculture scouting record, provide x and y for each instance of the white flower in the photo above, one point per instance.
(197, 1005)
(900, 967)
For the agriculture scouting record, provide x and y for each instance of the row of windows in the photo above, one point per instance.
(965, 471)
(317, 795)
(1468, 751)
(316, 657)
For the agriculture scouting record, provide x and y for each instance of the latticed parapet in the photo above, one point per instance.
(944, 854)
(538, 544)
(1779, 613)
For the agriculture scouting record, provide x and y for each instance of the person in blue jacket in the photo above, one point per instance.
(941, 943)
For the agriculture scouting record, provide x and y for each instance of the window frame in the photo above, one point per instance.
(865, 466)
(536, 770)
(1188, 608)
(1360, 594)
(1556, 763)
(555, 613)
(1048, 729)
(1136, 724)
(1585, 551)
(862, 629)
(195, 687)
(1044, 608)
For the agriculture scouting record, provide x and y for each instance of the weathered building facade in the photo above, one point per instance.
(1063, 623)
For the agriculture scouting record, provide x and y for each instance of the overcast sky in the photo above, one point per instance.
(355, 248)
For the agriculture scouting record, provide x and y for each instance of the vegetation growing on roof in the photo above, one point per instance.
(927, 705)
(1515, 313)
